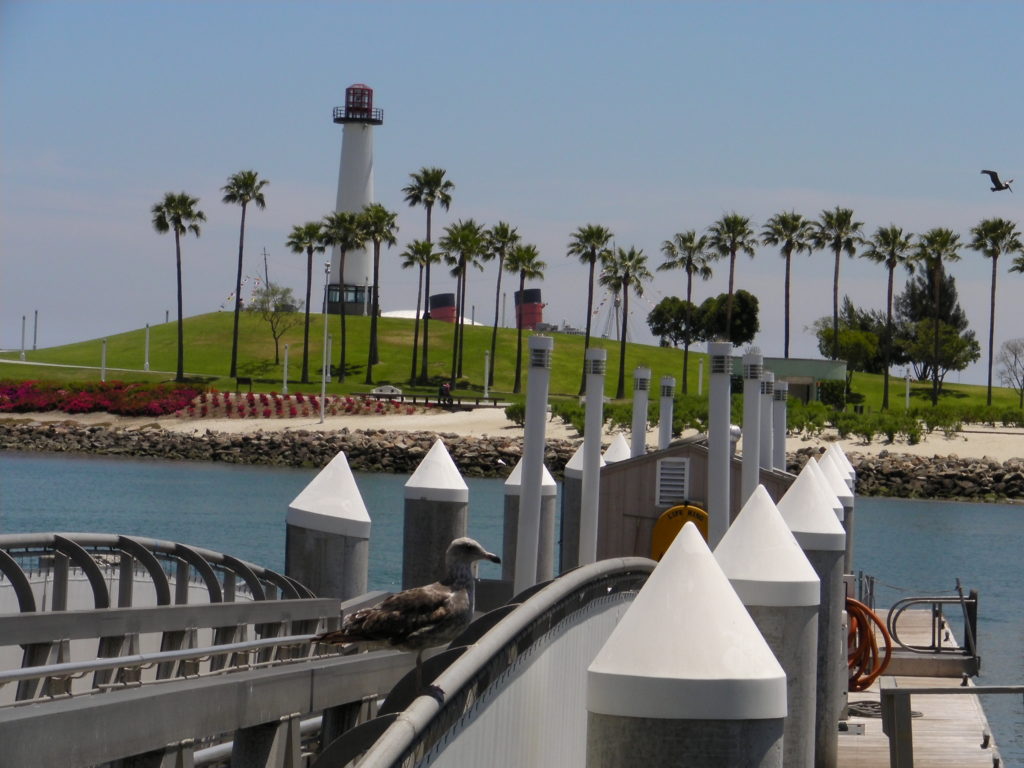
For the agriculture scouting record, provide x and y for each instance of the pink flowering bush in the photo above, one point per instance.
(123, 399)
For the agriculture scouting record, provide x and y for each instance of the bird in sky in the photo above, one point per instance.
(420, 617)
(997, 185)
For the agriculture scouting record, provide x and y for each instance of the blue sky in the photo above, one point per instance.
(649, 118)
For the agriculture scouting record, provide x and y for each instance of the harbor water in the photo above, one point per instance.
(910, 547)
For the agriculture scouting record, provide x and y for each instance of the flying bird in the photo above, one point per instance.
(997, 185)
(421, 617)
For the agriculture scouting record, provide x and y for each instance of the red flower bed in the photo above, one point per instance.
(131, 399)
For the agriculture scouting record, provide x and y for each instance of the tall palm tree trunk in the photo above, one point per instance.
(342, 360)
(238, 298)
(991, 328)
(517, 386)
(180, 375)
(455, 334)
(621, 390)
(416, 327)
(835, 308)
(785, 342)
(426, 310)
(373, 357)
(461, 319)
(586, 337)
(887, 352)
(728, 301)
(494, 330)
(935, 337)
(689, 323)
(305, 332)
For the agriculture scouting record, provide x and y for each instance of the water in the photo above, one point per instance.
(912, 547)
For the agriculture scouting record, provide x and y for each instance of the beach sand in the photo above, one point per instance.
(975, 441)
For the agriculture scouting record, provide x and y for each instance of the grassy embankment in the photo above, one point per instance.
(208, 351)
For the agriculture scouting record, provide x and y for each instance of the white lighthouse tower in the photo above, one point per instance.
(355, 191)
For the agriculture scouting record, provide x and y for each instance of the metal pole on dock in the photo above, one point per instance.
(719, 443)
(668, 393)
(638, 434)
(764, 456)
(528, 530)
(595, 362)
(546, 535)
(751, 475)
(780, 397)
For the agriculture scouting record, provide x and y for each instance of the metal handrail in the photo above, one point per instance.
(938, 618)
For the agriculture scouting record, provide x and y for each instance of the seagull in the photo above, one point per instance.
(997, 185)
(421, 617)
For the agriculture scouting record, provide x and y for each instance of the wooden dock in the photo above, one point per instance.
(951, 730)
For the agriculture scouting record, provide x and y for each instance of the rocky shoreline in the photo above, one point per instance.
(885, 474)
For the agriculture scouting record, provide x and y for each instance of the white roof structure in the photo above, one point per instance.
(514, 482)
(762, 559)
(687, 649)
(810, 514)
(331, 503)
(437, 478)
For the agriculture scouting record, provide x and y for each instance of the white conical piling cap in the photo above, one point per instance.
(437, 478)
(687, 649)
(618, 451)
(848, 478)
(809, 514)
(574, 467)
(762, 559)
(331, 503)
(842, 460)
(835, 480)
(826, 488)
(514, 482)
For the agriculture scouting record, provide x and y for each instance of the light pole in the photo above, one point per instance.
(323, 372)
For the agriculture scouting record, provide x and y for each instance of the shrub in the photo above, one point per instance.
(516, 412)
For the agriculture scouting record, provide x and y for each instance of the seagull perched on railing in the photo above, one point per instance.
(997, 185)
(421, 617)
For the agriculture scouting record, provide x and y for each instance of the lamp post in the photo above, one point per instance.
(323, 371)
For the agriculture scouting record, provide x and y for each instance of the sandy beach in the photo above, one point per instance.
(975, 441)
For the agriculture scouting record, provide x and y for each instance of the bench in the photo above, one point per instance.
(242, 381)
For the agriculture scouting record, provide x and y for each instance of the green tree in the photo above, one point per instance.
(242, 188)
(380, 227)
(307, 238)
(1011, 372)
(498, 243)
(741, 327)
(994, 237)
(691, 253)
(675, 321)
(728, 236)
(589, 244)
(178, 213)
(837, 231)
(462, 244)
(343, 230)
(954, 351)
(276, 305)
(791, 233)
(626, 270)
(523, 260)
(428, 188)
(934, 248)
(419, 254)
(888, 246)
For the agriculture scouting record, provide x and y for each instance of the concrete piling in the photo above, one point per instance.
(665, 409)
(617, 450)
(436, 512)
(719, 439)
(327, 534)
(641, 393)
(778, 585)
(750, 474)
(696, 685)
(780, 396)
(571, 505)
(546, 533)
(844, 493)
(595, 362)
(809, 514)
(767, 447)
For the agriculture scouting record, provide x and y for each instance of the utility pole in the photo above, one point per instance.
(266, 272)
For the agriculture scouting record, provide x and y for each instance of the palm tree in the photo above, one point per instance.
(178, 212)
(307, 238)
(837, 231)
(462, 244)
(994, 237)
(418, 253)
(935, 247)
(498, 242)
(242, 188)
(343, 230)
(891, 247)
(728, 236)
(524, 259)
(689, 252)
(625, 270)
(428, 187)
(791, 233)
(379, 225)
(589, 243)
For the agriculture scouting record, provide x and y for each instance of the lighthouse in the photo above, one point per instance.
(355, 191)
